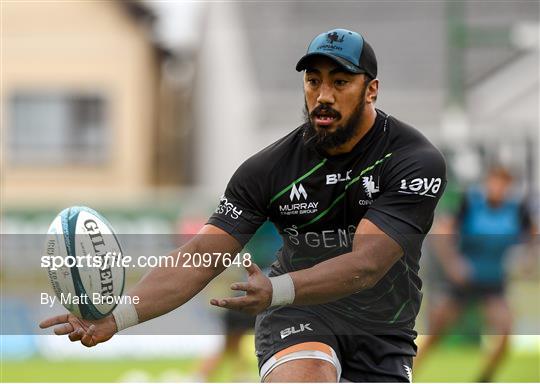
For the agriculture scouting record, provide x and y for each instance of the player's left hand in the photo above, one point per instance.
(258, 295)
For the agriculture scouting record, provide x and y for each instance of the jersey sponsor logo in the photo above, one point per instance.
(335, 178)
(369, 186)
(421, 186)
(228, 209)
(293, 330)
(299, 208)
(331, 238)
(298, 192)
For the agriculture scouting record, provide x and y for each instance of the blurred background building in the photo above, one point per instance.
(120, 106)
(144, 109)
(86, 104)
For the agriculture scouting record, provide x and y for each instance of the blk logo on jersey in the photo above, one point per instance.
(298, 193)
(335, 178)
(421, 186)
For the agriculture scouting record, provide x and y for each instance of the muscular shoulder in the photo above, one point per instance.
(263, 163)
(244, 205)
(412, 151)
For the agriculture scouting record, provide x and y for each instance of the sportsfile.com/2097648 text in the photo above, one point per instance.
(182, 259)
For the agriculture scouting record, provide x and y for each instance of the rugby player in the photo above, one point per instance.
(352, 192)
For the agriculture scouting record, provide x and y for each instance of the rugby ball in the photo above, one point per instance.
(84, 262)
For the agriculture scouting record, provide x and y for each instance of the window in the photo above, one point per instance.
(57, 129)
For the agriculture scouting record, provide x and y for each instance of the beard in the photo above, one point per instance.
(322, 138)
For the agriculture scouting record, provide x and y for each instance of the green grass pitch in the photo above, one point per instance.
(448, 364)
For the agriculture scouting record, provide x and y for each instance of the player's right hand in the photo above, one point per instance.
(88, 332)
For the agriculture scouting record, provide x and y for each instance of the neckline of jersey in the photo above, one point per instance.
(361, 146)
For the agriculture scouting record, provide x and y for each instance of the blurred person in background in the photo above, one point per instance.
(471, 248)
(236, 325)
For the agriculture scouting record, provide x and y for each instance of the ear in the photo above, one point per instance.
(372, 91)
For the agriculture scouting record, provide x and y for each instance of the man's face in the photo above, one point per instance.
(335, 102)
(497, 187)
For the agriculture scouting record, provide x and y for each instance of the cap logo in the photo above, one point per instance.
(345, 48)
(331, 38)
(334, 38)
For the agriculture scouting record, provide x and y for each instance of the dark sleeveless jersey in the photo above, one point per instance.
(393, 177)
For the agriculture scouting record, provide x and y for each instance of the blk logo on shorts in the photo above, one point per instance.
(293, 330)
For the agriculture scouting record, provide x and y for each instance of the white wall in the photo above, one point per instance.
(225, 101)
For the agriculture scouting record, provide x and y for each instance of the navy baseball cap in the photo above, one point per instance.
(346, 48)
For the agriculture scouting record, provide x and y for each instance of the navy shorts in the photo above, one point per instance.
(477, 291)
